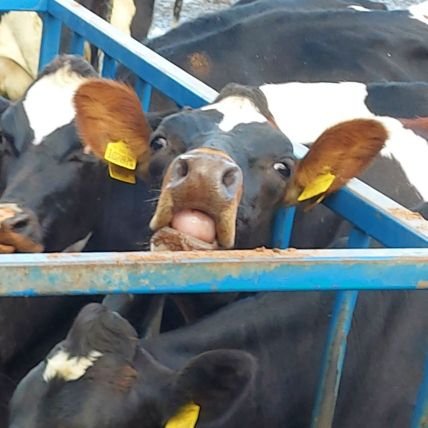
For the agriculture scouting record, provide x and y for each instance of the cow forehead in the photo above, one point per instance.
(234, 124)
(236, 110)
(48, 104)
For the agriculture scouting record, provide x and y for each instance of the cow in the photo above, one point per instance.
(21, 35)
(263, 5)
(307, 46)
(42, 225)
(253, 363)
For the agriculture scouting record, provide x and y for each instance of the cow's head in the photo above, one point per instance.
(224, 168)
(55, 189)
(99, 377)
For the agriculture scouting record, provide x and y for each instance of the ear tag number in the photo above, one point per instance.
(118, 153)
(186, 417)
(320, 185)
(121, 174)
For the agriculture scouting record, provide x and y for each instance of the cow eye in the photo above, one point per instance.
(284, 168)
(158, 143)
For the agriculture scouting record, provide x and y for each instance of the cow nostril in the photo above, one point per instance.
(19, 222)
(230, 176)
(182, 168)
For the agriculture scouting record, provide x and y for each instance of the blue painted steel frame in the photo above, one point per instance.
(389, 223)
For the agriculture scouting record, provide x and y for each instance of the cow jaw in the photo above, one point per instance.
(180, 228)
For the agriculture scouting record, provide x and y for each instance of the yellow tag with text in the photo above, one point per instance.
(318, 186)
(186, 417)
(121, 174)
(118, 153)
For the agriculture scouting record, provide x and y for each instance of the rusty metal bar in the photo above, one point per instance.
(213, 271)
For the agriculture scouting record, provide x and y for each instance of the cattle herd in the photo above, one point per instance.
(82, 168)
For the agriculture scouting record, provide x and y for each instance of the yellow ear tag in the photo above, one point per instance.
(186, 417)
(118, 153)
(121, 174)
(318, 186)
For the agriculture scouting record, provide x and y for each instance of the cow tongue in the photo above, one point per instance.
(196, 224)
(191, 230)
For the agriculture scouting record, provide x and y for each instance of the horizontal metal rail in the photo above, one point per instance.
(213, 271)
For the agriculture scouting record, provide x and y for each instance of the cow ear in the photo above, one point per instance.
(112, 125)
(339, 154)
(211, 386)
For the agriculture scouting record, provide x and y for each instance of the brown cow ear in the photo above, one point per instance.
(112, 125)
(339, 154)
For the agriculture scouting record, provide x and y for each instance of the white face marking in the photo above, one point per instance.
(68, 368)
(122, 13)
(49, 102)
(359, 8)
(303, 111)
(419, 12)
(20, 38)
(236, 110)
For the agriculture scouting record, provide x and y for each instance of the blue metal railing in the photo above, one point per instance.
(403, 267)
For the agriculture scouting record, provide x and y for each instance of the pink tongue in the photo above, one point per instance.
(194, 223)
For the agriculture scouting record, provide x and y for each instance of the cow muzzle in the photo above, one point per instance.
(198, 204)
(19, 230)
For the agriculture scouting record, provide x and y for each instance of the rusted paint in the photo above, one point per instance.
(230, 271)
(422, 284)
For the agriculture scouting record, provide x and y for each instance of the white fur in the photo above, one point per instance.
(122, 13)
(359, 8)
(419, 12)
(236, 110)
(303, 111)
(61, 365)
(49, 102)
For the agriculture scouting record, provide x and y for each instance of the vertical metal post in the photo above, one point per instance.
(77, 44)
(420, 415)
(51, 39)
(334, 353)
(109, 67)
(283, 227)
(144, 92)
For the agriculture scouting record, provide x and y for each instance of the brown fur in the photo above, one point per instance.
(199, 64)
(419, 126)
(110, 111)
(345, 150)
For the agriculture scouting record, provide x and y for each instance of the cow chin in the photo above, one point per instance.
(179, 228)
(12, 242)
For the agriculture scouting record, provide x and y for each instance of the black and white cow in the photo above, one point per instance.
(254, 363)
(280, 45)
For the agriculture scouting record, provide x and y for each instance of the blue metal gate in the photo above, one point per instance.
(403, 264)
